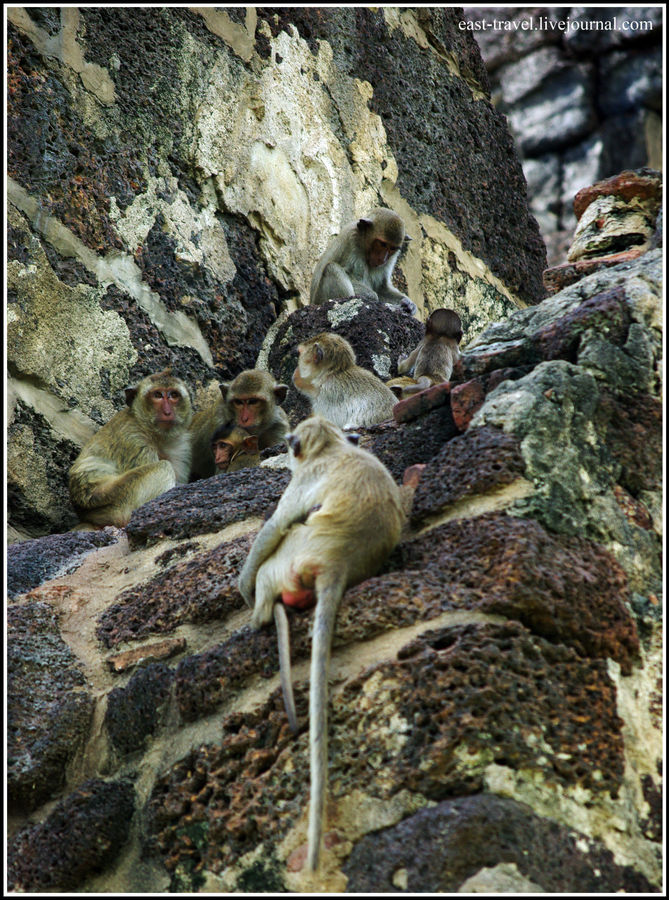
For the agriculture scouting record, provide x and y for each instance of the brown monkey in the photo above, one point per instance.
(141, 452)
(234, 449)
(250, 402)
(432, 361)
(359, 261)
(340, 390)
(334, 526)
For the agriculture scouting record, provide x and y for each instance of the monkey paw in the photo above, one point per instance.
(409, 306)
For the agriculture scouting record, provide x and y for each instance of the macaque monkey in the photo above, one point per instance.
(140, 453)
(250, 401)
(432, 361)
(359, 261)
(234, 449)
(334, 526)
(340, 390)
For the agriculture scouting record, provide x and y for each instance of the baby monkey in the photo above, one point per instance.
(234, 449)
(334, 526)
(432, 361)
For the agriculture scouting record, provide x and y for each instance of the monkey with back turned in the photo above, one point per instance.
(143, 451)
(334, 526)
(432, 361)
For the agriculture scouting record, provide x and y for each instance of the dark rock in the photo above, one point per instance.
(30, 563)
(200, 590)
(568, 590)
(442, 847)
(470, 464)
(48, 713)
(401, 446)
(135, 711)
(453, 687)
(80, 838)
(559, 277)
(208, 505)
(631, 80)
(422, 402)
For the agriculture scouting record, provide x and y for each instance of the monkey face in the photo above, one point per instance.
(380, 251)
(222, 451)
(165, 403)
(249, 411)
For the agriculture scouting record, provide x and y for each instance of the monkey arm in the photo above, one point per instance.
(293, 509)
(407, 363)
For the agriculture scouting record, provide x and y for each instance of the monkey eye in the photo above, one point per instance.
(158, 395)
(253, 401)
(175, 395)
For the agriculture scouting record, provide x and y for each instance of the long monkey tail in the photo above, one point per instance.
(283, 637)
(329, 590)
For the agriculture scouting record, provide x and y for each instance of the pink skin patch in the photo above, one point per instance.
(303, 598)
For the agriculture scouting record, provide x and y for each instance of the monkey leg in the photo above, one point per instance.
(113, 501)
(283, 638)
(335, 282)
(329, 590)
(422, 384)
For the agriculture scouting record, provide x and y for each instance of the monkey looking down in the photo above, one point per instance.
(140, 453)
(359, 261)
(334, 526)
(340, 390)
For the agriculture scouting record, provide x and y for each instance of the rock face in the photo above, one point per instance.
(582, 90)
(175, 173)
(496, 715)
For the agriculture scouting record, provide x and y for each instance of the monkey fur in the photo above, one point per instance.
(339, 390)
(234, 449)
(250, 401)
(143, 451)
(432, 361)
(359, 261)
(334, 526)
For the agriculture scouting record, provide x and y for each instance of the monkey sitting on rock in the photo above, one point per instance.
(140, 453)
(339, 390)
(359, 261)
(432, 361)
(251, 402)
(334, 526)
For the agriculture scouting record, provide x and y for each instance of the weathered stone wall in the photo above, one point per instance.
(496, 712)
(175, 173)
(582, 90)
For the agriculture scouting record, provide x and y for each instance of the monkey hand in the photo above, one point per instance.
(409, 306)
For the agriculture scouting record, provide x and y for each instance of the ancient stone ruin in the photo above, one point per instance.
(495, 697)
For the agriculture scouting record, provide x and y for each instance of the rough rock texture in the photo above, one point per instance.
(582, 90)
(438, 849)
(48, 713)
(497, 686)
(175, 173)
(503, 667)
(30, 563)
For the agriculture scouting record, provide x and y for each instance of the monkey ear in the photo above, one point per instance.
(364, 224)
(224, 388)
(280, 391)
(407, 238)
(318, 353)
(251, 443)
(353, 438)
(130, 394)
(294, 444)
